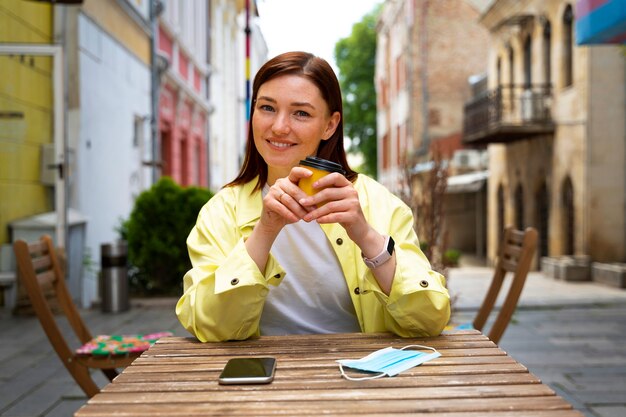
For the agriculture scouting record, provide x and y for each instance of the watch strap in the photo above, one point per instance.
(383, 256)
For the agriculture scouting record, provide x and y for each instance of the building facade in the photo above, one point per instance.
(26, 113)
(427, 54)
(553, 122)
(183, 39)
(233, 65)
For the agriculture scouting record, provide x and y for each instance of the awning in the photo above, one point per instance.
(467, 183)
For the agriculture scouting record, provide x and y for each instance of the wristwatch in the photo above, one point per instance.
(382, 257)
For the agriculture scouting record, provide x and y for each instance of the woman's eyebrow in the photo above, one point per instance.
(293, 104)
(302, 104)
(266, 99)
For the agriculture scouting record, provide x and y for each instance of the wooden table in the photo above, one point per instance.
(473, 377)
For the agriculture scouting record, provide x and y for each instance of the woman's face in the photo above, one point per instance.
(290, 120)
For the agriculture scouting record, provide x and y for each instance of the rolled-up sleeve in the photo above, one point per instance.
(418, 303)
(224, 292)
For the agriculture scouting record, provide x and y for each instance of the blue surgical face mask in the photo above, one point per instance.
(388, 361)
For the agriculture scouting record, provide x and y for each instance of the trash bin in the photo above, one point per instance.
(114, 284)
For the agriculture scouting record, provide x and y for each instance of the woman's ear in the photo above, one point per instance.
(333, 122)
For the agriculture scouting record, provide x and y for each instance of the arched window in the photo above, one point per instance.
(511, 66)
(500, 209)
(528, 65)
(499, 72)
(568, 48)
(547, 53)
(543, 216)
(519, 207)
(568, 215)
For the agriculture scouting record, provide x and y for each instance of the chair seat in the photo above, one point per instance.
(462, 326)
(107, 345)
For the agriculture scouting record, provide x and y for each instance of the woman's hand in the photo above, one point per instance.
(280, 204)
(338, 202)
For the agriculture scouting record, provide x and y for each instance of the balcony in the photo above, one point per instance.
(508, 114)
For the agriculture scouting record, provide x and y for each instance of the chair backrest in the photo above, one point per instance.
(515, 255)
(40, 272)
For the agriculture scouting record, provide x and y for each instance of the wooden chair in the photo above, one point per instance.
(515, 255)
(40, 272)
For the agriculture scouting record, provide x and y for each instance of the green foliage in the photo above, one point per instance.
(356, 59)
(451, 257)
(156, 232)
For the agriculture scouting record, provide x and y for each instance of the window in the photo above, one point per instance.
(500, 209)
(519, 207)
(511, 66)
(528, 65)
(568, 28)
(499, 72)
(547, 53)
(138, 131)
(543, 216)
(568, 216)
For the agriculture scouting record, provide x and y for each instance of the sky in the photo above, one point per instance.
(309, 25)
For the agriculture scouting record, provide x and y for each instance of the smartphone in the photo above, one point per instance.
(252, 370)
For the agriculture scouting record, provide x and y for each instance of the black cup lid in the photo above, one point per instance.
(319, 163)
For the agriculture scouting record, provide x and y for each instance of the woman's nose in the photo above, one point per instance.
(281, 124)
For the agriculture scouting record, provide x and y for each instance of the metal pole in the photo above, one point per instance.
(154, 91)
(247, 31)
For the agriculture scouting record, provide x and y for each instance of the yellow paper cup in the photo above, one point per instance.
(320, 168)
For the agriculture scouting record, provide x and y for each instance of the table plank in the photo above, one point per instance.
(198, 381)
(522, 405)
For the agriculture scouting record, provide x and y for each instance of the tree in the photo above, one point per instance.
(356, 60)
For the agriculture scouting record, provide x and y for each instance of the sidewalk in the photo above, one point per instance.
(572, 336)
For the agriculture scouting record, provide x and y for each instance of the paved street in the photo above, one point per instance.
(572, 336)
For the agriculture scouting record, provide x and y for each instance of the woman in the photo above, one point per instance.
(269, 259)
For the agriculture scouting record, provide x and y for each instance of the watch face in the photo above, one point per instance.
(390, 245)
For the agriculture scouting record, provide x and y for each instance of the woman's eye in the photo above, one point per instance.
(266, 107)
(302, 113)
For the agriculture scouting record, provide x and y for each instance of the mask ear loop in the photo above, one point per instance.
(382, 374)
(420, 346)
(349, 378)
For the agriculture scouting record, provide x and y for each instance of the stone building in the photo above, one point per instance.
(426, 53)
(553, 122)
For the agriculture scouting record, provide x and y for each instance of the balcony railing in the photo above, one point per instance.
(507, 114)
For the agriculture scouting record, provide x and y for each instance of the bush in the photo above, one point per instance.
(451, 257)
(156, 232)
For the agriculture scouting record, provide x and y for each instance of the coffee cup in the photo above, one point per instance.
(320, 168)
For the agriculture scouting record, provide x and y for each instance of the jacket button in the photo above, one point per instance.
(234, 281)
(339, 241)
(357, 291)
(424, 283)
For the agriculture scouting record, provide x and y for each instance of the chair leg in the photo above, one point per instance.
(83, 379)
(110, 373)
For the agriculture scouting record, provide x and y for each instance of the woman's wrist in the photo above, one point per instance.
(371, 243)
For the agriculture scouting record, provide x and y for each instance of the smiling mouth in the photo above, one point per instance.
(281, 144)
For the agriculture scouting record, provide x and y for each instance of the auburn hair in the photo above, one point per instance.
(320, 73)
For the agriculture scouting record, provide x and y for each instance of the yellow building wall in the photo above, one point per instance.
(110, 16)
(25, 112)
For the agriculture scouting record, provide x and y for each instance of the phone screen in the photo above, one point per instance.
(248, 371)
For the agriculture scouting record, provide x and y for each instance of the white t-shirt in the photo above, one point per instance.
(313, 296)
